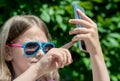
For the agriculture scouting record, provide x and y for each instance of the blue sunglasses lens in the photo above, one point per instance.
(47, 47)
(33, 47)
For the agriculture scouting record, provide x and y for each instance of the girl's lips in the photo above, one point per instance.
(34, 61)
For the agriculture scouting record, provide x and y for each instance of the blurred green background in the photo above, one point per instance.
(56, 13)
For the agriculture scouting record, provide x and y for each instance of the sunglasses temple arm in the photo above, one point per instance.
(14, 45)
(68, 45)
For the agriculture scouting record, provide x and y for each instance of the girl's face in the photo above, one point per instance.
(19, 61)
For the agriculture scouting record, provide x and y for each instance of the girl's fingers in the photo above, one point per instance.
(58, 59)
(84, 16)
(84, 23)
(79, 30)
(69, 57)
(80, 37)
(62, 56)
(68, 45)
(64, 59)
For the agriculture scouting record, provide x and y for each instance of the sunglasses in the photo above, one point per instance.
(32, 48)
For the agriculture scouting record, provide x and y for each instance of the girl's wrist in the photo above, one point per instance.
(38, 69)
(97, 50)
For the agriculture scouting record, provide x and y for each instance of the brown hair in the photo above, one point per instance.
(13, 28)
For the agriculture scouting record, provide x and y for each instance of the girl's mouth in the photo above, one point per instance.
(34, 61)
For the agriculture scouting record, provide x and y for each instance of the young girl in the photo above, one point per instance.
(27, 55)
(25, 44)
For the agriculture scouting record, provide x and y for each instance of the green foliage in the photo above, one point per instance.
(56, 13)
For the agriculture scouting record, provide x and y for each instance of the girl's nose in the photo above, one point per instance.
(39, 54)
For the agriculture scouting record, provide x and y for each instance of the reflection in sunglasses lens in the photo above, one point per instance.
(31, 48)
(48, 47)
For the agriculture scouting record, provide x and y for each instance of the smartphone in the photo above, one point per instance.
(81, 43)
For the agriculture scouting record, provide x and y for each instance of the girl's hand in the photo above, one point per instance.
(88, 33)
(54, 59)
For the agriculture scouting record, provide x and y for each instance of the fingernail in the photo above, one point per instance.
(70, 20)
(70, 61)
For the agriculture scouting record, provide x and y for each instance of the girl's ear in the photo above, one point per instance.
(8, 53)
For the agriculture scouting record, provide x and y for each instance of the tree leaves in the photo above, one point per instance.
(56, 13)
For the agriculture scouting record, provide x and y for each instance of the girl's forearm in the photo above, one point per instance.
(99, 68)
(29, 75)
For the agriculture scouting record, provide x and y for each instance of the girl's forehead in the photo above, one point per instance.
(32, 39)
(33, 34)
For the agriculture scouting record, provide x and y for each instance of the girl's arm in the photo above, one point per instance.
(89, 34)
(54, 59)
(31, 74)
